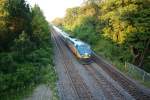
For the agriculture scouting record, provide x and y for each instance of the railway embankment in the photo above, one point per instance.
(94, 81)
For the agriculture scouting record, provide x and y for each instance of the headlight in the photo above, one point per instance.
(85, 55)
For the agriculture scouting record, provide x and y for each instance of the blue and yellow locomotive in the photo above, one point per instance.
(81, 50)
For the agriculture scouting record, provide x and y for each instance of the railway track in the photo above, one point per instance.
(126, 83)
(77, 82)
(110, 91)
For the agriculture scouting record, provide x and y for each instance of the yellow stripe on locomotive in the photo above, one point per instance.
(78, 47)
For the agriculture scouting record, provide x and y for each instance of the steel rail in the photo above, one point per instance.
(77, 83)
(128, 84)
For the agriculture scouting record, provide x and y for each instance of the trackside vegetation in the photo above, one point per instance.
(25, 50)
(119, 30)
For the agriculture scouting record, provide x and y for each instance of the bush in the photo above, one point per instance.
(26, 52)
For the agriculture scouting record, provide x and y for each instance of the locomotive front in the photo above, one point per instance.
(85, 52)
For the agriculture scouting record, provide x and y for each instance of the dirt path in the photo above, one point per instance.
(41, 92)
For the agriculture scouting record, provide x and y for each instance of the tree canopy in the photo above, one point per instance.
(25, 48)
(125, 23)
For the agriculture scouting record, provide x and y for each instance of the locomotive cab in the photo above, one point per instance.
(84, 51)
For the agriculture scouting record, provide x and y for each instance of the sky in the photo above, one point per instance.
(55, 8)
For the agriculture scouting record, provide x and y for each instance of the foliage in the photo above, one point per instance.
(25, 49)
(39, 25)
(122, 25)
(125, 24)
(16, 17)
(58, 21)
(3, 23)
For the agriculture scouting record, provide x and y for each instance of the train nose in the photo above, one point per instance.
(86, 55)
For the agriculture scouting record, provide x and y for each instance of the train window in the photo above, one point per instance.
(83, 49)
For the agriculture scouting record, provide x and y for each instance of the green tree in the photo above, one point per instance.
(58, 21)
(25, 49)
(39, 25)
(15, 18)
(125, 24)
(19, 16)
(3, 24)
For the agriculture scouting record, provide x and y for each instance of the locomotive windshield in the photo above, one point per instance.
(84, 49)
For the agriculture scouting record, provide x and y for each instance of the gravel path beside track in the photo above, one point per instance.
(42, 92)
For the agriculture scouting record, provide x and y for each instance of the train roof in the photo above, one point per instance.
(64, 34)
(73, 40)
(57, 29)
(78, 42)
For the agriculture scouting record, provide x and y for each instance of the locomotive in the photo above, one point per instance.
(80, 49)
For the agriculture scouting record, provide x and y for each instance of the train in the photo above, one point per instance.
(80, 49)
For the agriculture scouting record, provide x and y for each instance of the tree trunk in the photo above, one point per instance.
(139, 56)
(144, 53)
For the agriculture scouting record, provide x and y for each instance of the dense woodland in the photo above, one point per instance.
(117, 29)
(25, 48)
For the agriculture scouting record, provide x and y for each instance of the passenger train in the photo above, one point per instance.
(81, 49)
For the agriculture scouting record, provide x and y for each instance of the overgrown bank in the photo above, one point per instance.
(25, 50)
(117, 29)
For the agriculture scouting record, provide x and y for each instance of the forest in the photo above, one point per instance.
(119, 30)
(25, 49)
